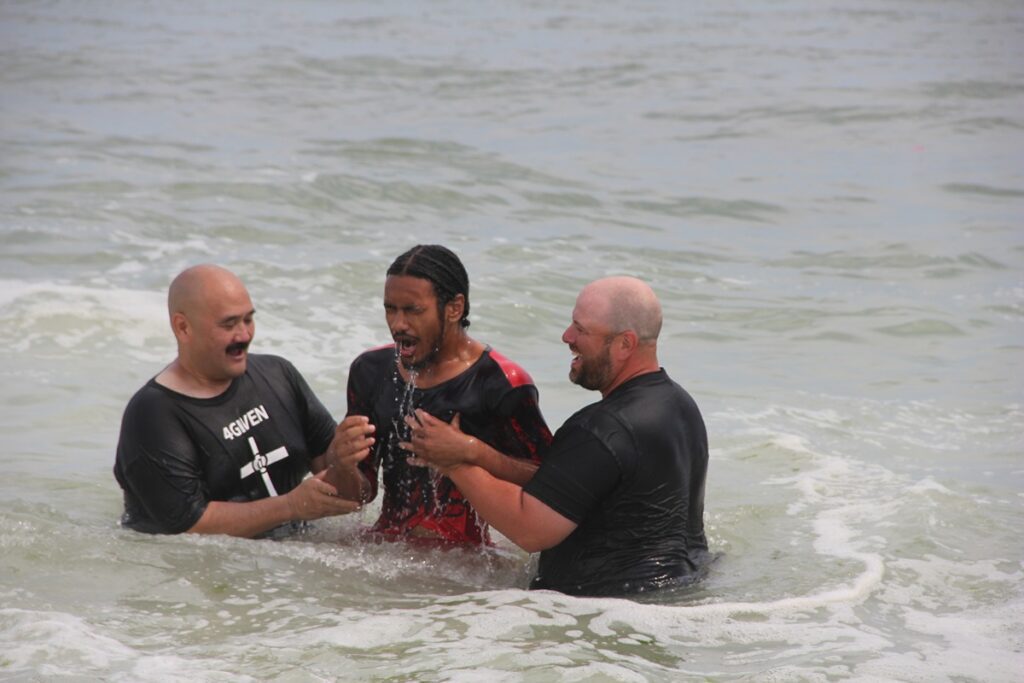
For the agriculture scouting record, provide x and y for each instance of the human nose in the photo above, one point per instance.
(568, 337)
(396, 322)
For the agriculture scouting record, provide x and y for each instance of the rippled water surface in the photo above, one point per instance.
(828, 198)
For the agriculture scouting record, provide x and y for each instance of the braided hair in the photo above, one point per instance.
(442, 268)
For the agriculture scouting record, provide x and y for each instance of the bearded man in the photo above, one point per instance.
(617, 504)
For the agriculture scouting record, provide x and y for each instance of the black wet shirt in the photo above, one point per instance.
(497, 403)
(630, 471)
(176, 453)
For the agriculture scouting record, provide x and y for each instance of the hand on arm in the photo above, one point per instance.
(314, 498)
(352, 443)
(444, 446)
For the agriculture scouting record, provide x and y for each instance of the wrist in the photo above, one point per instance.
(472, 452)
(289, 506)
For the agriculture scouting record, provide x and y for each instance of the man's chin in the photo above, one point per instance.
(413, 365)
(236, 365)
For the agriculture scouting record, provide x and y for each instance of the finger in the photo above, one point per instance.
(405, 445)
(417, 462)
(412, 422)
(361, 443)
(456, 419)
(343, 506)
(353, 421)
(321, 485)
(426, 419)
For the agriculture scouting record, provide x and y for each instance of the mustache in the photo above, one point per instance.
(237, 346)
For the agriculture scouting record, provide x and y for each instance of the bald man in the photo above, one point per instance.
(221, 440)
(617, 504)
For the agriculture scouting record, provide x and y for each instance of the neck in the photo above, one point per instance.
(455, 356)
(631, 371)
(179, 377)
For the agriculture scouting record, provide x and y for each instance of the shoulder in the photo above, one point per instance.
(666, 389)
(512, 372)
(268, 362)
(153, 414)
(605, 420)
(150, 397)
(273, 371)
(377, 356)
(590, 417)
(372, 363)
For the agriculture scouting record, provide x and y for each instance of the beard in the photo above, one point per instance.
(413, 365)
(593, 373)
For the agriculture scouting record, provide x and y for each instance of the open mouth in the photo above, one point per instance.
(406, 347)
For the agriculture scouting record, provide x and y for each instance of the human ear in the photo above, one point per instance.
(629, 341)
(454, 308)
(180, 326)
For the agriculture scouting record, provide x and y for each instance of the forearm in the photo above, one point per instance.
(520, 517)
(243, 519)
(515, 470)
(497, 501)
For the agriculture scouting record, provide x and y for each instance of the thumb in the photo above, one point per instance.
(324, 485)
(455, 420)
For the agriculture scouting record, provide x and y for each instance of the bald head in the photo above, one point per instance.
(625, 303)
(194, 287)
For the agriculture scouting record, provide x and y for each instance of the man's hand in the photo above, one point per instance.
(352, 443)
(436, 443)
(315, 498)
(353, 440)
(312, 499)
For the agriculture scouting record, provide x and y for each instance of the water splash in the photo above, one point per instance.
(406, 403)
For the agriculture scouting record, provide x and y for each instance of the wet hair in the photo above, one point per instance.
(442, 268)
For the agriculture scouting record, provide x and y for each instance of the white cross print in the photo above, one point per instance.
(260, 462)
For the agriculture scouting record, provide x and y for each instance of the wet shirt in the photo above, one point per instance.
(629, 471)
(496, 402)
(176, 453)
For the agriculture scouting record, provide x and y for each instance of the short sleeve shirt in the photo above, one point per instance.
(496, 401)
(177, 453)
(630, 472)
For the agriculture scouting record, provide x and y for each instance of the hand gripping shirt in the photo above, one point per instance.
(629, 470)
(177, 453)
(496, 402)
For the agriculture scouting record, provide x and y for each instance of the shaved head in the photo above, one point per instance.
(625, 303)
(195, 286)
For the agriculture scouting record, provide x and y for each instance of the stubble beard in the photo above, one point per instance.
(595, 373)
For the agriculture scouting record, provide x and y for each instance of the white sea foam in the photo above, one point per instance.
(56, 644)
(70, 315)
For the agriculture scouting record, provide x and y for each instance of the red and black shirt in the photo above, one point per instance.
(496, 401)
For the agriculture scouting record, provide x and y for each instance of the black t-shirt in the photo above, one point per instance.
(630, 471)
(497, 403)
(176, 453)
